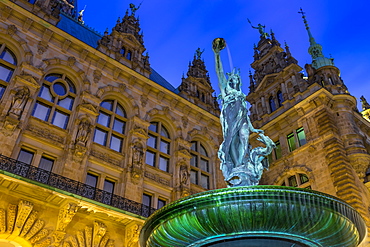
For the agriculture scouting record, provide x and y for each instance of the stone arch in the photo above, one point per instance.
(127, 101)
(22, 223)
(18, 45)
(165, 117)
(294, 170)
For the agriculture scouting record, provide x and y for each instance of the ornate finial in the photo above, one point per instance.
(106, 32)
(199, 53)
(261, 29)
(80, 15)
(134, 9)
(364, 103)
(118, 20)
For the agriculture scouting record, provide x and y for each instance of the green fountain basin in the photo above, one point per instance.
(255, 216)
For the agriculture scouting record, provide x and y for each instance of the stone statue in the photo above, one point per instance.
(199, 53)
(184, 175)
(19, 100)
(364, 103)
(84, 130)
(240, 165)
(134, 9)
(261, 29)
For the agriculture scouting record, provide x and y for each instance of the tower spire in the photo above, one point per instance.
(315, 49)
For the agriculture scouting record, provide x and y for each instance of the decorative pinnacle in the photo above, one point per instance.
(311, 38)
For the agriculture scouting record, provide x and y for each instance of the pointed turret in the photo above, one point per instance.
(126, 43)
(196, 87)
(315, 49)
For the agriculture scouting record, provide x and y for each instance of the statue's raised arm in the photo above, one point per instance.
(217, 45)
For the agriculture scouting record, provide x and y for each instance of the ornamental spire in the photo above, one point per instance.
(315, 49)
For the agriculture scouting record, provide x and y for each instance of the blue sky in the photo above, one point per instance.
(173, 30)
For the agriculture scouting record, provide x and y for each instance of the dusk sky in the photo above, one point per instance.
(173, 30)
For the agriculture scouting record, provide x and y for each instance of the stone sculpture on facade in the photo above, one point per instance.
(19, 100)
(240, 164)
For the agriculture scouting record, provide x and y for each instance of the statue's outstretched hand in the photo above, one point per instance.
(218, 44)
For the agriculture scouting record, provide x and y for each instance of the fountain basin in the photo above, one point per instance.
(253, 216)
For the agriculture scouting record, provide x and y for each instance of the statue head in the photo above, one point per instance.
(234, 79)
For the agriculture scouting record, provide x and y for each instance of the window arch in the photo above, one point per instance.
(55, 101)
(280, 98)
(8, 63)
(199, 165)
(299, 180)
(110, 125)
(158, 146)
(272, 104)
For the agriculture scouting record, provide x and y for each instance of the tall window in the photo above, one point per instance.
(158, 146)
(280, 98)
(277, 150)
(161, 203)
(8, 63)
(272, 104)
(108, 191)
(110, 127)
(25, 156)
(200, 168)
(122, 51)
(147, 200)
(296, 139)
(297, 180)
(129, 55)
(55, 100)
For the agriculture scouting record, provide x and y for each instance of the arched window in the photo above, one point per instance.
(272, 104)
(122, 51)
(200, 165)
(297, 180)
(55, 100)
(129, 55)
(280, 98)
(8, 63)
(110, 125)
(158, 147)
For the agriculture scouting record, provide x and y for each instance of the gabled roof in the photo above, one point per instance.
(91, 37)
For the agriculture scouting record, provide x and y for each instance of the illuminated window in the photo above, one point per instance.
(200, 165)
(55, 100)
(272, 104)
(8, 63)
(110, 127)
(297, 180)
(296, 139)
(158, 147)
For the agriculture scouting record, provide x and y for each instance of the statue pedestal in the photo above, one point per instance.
(255, 216)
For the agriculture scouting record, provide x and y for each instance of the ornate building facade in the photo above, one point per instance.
(93, 139)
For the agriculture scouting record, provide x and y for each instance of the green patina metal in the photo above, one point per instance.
(255, 216)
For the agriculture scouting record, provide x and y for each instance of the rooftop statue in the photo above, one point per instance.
(261, 29)
(240, 164)
(134, 8)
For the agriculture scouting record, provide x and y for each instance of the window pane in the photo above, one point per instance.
(59, 88)
(119, 126)
(72, 88)
(2, 90)
(100, 137)
(52, 77)
(5, 73)
(203, 151)
(194, 160)
(292, 181)
(46, 164)
(129, 55)
(91, 180)
(303, 178)
(45, 93)
(153, 126)
(204, 165)
(194, 146)
(277, 150)
(193, 176)
(152, 141)
(104, 119)
(204, 181)
(108, 186)
(66, 103)
(8, 56)
(280, 98)
(120, 111)
(107, 104)
(116, 143)
(301, 136)
(60, 119)
(147, 200)
(163, 163)
(161, 203)
(291, 142)
(25, 156)
(41, 111)
(164, 132)
(150, 158)
(272, 104)
(165, 147)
